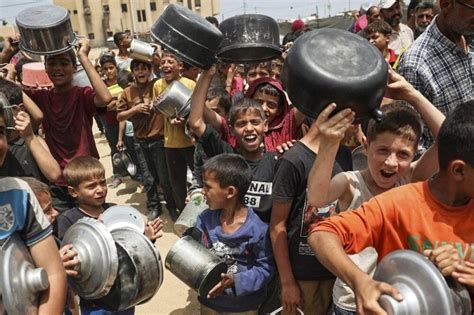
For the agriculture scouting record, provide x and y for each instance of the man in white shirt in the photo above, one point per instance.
(402, 35)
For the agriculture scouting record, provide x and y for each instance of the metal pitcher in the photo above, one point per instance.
(141, 51)
(174, 101)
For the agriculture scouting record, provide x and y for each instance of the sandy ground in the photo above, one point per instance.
(173, 297)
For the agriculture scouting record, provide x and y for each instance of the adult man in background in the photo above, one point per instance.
(373, 14)
(423, 16)
(439, 64)
(402, 36)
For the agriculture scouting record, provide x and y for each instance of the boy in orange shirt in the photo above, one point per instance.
(418, 216)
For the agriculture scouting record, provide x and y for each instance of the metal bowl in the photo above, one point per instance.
(175, 100)
(45, 30)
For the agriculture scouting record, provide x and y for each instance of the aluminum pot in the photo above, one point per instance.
(331, 65)
(175, 101)
(80, 77)
(20, 282)
(141, 51)
(423, 287)
(188, 216)
(98, 256)
(140, 273)
(188, 36)
(119, 216)
(195, 265)
(249, 38)
(34, 75)
(45, 30)
(123, 163)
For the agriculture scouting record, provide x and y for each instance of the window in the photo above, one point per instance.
(91, 36)
(143, 15)
(139, 16)
(74, 11)
(197, 3)
(152, 6)
(105, 7)
(166, 1)
(190, 5)
(124, 7)
(110, 34)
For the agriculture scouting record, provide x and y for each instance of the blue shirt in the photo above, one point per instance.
(248, 254)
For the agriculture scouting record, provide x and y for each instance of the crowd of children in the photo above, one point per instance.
(297, 226)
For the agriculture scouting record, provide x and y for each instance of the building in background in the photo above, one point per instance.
(100, 19)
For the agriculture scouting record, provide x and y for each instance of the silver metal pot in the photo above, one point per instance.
(423, 287)
(188, 216)
(141, 51)
(98, 256)
(195, 265)
(20, 281)
(45, 30)
(80, 77)
(140, 273)
(117, 217)
(175, 101)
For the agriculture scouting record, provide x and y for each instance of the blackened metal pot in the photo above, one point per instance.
(331, 65)
(195, 265)
(249, 38)
(140, 272)
(187, 35)
(45, 30)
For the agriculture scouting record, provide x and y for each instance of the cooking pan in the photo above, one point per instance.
(45, 30)
(188, 36)
(249, 38)
(423, 287)
(331, 65)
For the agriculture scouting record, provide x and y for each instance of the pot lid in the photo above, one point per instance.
(41, 17)
(20, 281)
(422, 286)
(98, 256)
(118, 217)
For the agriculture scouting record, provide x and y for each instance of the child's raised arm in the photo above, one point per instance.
(102, 94)
(330, 131)
(399, 88)
(198, 102)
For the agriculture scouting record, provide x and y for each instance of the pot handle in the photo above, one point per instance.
(378, 115)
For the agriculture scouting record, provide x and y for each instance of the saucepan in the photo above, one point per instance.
(331, 65)
(175, 101)
(249, 38)
(45, 30)
(195, 265)
(187, 35)
(423, 287)
(141, 51)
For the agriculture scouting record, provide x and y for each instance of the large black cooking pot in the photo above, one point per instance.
(249, 38)
(331, 65)
(188, 36)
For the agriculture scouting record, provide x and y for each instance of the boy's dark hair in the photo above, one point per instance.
(267, 88)
(118, 37)
(379, 26)
(83, 168)
(11, 91)
(244, 105)
(107, 58)
(399, 119)
(70, 53)
(212, 20)
(424, 6)
(135, 63)
(170, 54)
(267, 65)
(230, 169)
(456, 136)
(124, 78)
(222, 94)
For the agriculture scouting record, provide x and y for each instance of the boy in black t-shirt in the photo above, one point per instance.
(305, 283)
(248, 122)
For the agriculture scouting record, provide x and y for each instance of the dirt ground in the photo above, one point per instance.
(173, 297)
